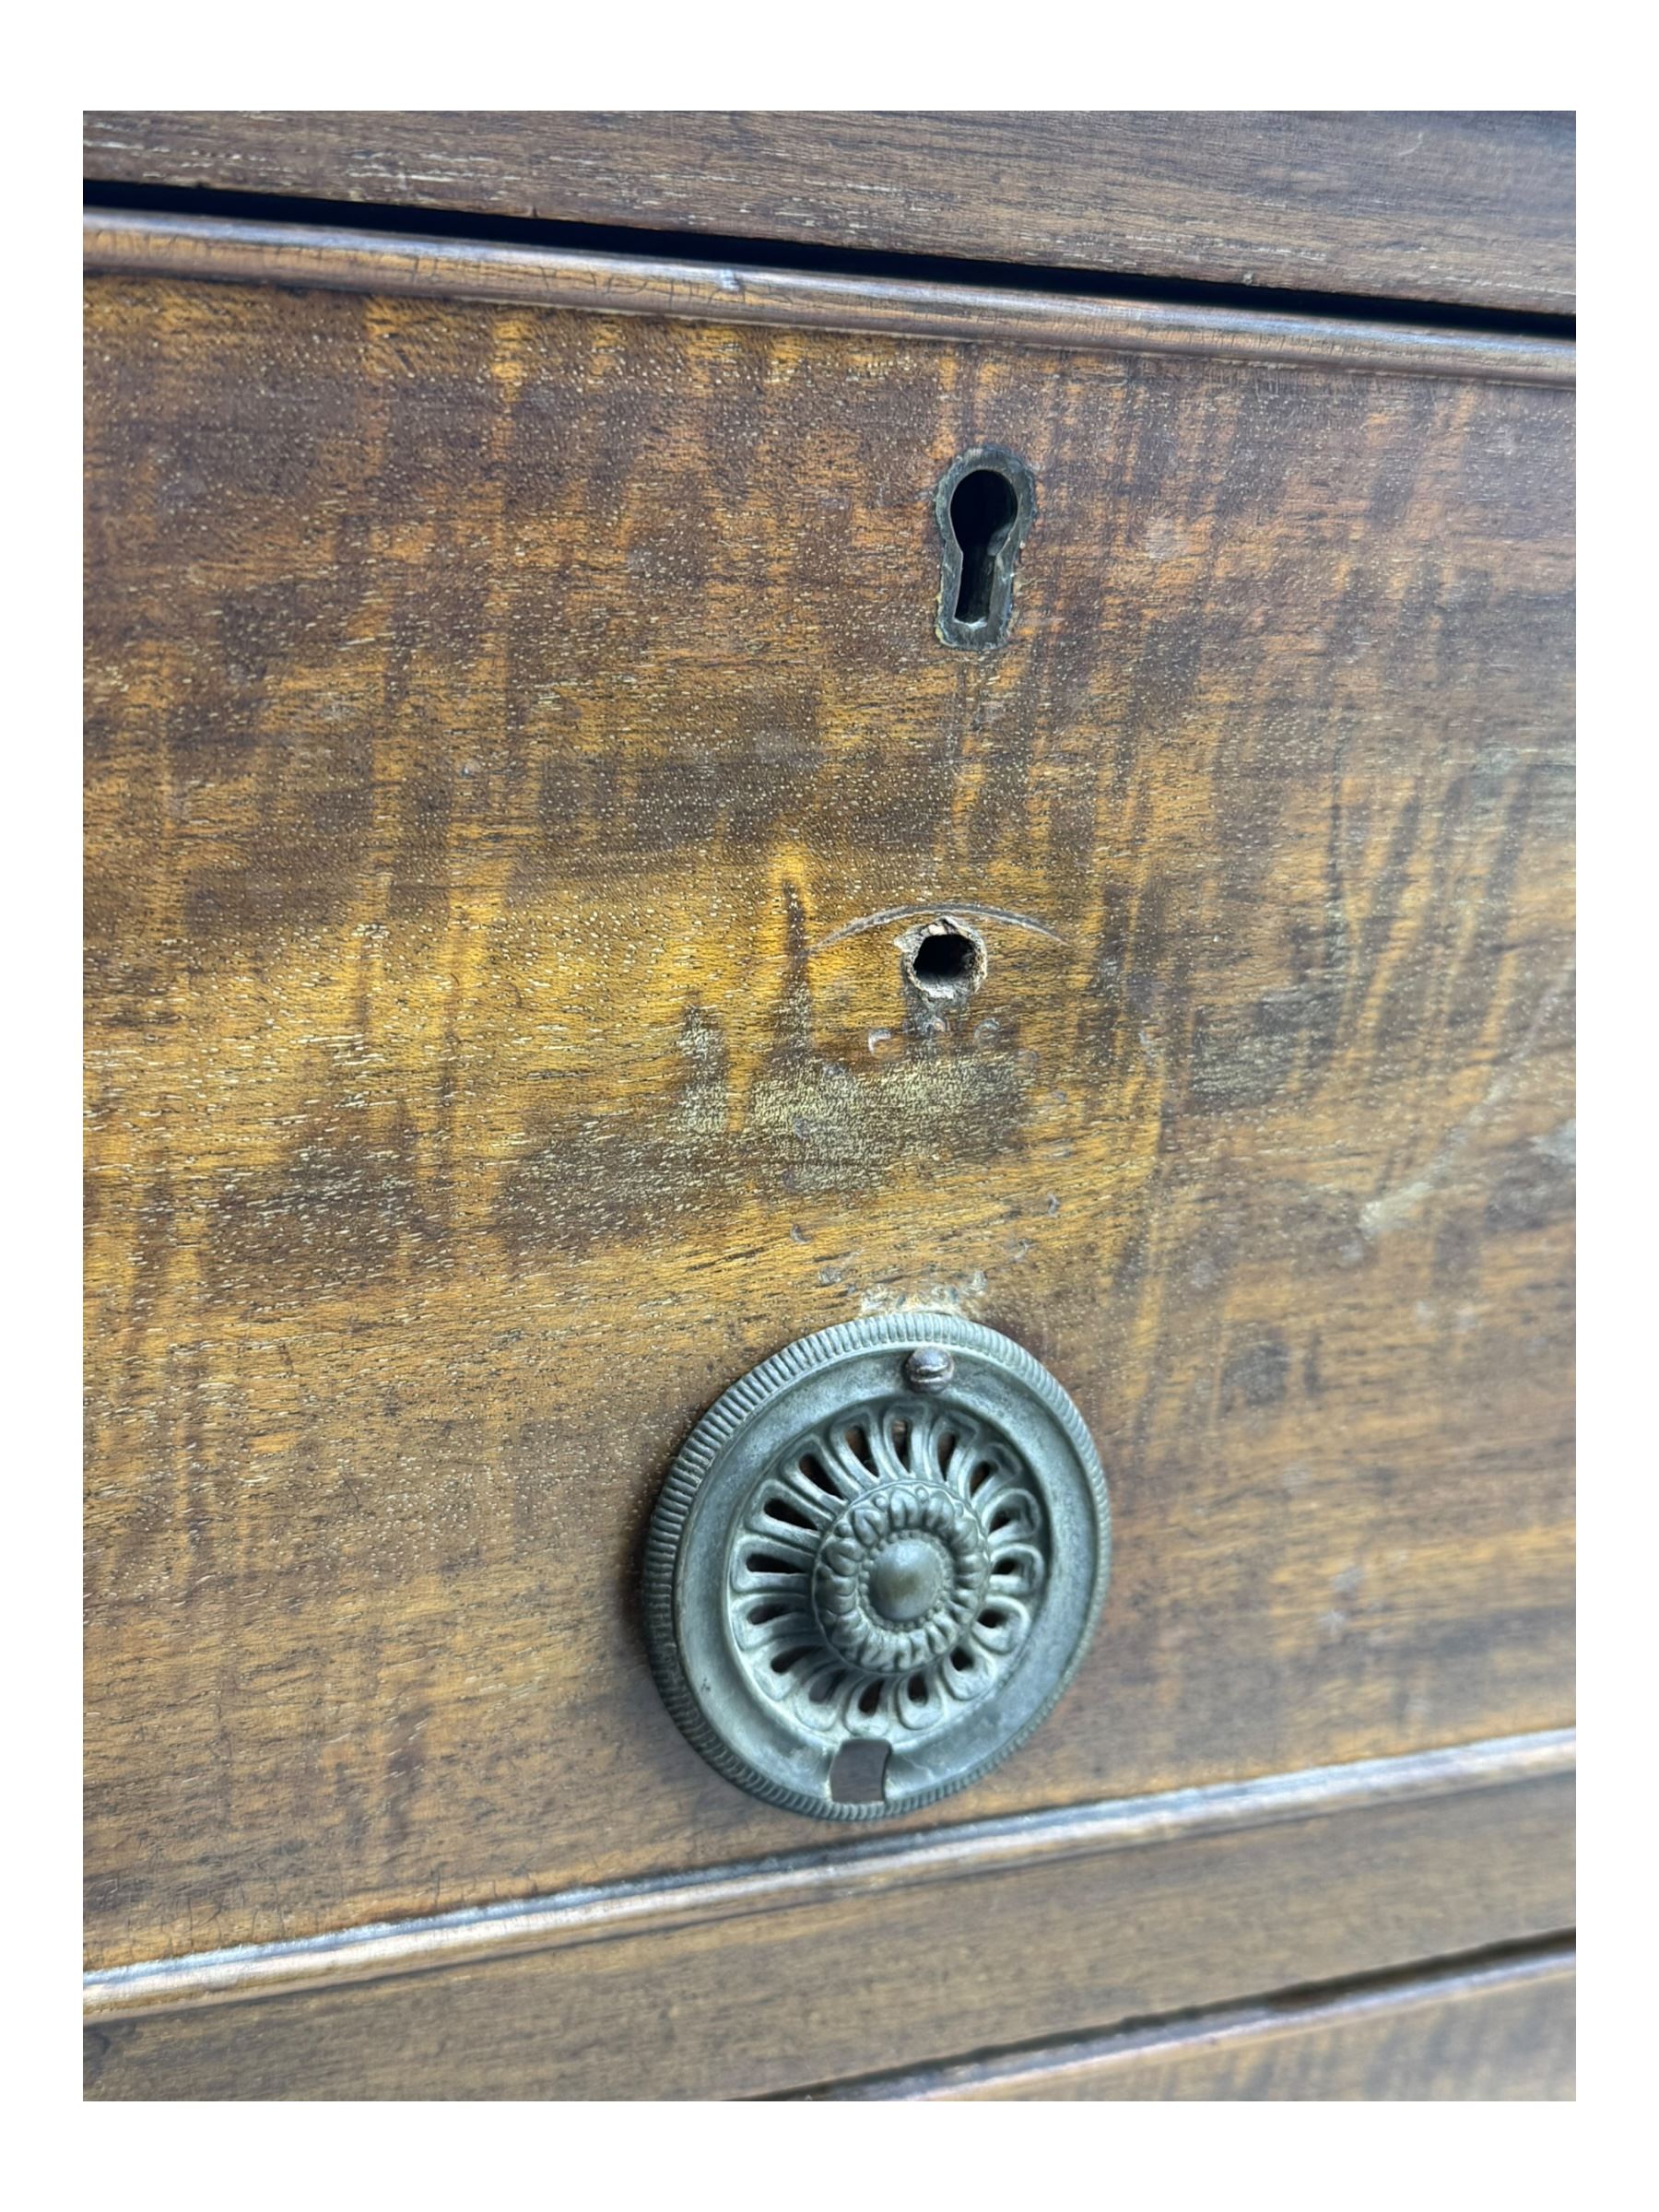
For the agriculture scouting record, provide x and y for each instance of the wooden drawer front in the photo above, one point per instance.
(792, 1976)
(516, 740)
(1501, 2032)
(1427, 206)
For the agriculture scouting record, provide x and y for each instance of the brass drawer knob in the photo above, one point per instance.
(875, 1564)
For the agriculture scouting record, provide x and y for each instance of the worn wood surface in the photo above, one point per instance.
(1474, 208)
(841, 1983)
(1501, 2033)
(208, 248)
(883, 1862)
(505, 731)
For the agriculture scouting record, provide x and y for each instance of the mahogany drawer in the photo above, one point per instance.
(517, 737)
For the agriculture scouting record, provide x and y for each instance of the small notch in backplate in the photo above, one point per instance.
(858, 1771)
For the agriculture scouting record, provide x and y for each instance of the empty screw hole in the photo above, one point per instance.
(944, 962)
(945, 958)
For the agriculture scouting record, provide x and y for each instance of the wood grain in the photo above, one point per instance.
(846, 1982)
(784, 1880)
(1472, 208)
(1501, 2032)
(502, 724)
(206, 250)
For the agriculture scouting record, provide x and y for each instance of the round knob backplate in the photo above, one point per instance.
(875, 1564)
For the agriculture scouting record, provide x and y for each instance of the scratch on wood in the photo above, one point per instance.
(954, 906)
(1384, 1213)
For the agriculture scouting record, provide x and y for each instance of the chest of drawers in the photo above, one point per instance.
(522, 743)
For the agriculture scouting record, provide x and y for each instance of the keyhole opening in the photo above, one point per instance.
(984, 509)
(984, 505)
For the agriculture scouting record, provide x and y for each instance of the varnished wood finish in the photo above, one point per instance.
(206, 250)
(784, 1881)
(1501, 2032)
(1474, 208)
(503, 725)
(843, 1983)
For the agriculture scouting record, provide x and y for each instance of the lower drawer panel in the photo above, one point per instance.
(783, 1975)
(1499, 2032)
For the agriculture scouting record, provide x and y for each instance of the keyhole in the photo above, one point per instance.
(984, 506)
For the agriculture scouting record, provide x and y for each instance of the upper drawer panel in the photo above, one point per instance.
(512, 737)
(1474, 208)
